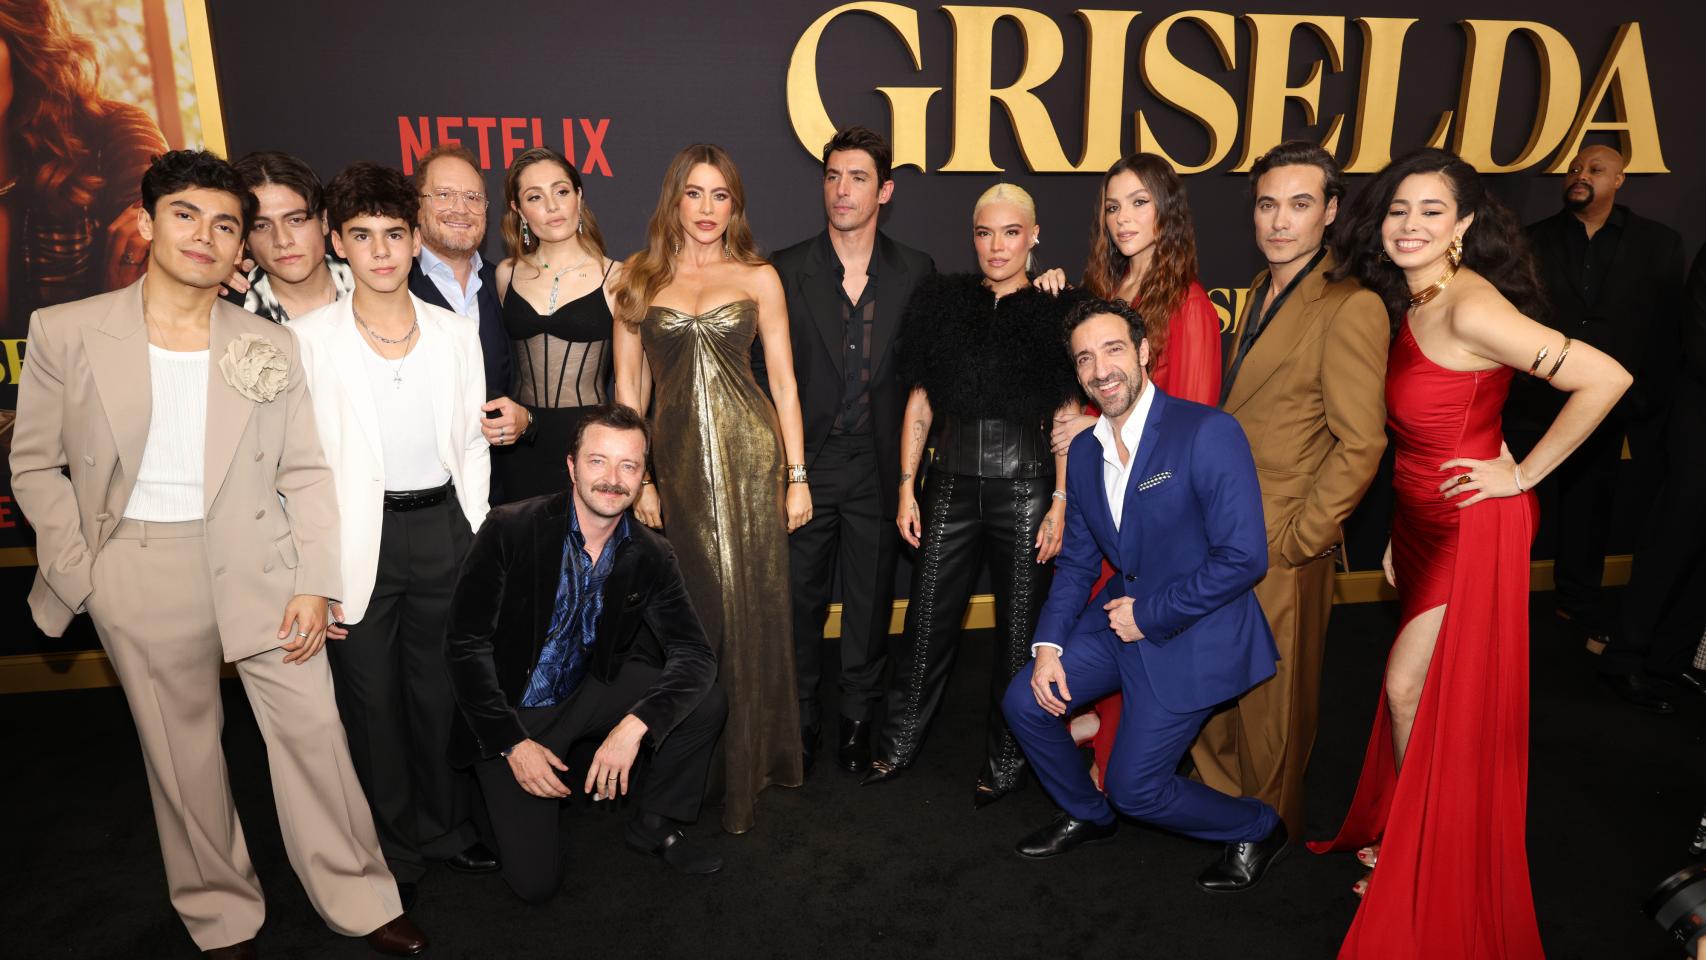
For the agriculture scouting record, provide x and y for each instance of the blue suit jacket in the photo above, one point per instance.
(1190, 547)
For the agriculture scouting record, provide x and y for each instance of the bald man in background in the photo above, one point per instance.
(1613, 279)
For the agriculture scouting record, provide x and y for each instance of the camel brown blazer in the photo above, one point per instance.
(1311, 396)
(84, 402)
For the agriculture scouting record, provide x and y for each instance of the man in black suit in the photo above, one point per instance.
(571, 622)
(450, 273)
(846, 288)
(1613, 278)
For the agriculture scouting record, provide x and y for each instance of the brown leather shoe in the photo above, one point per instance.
(399, 938)
(236, 951)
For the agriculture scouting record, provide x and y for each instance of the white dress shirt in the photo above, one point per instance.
(1116, 476)
(465, 302)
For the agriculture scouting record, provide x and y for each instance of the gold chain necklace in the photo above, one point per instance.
(1432, 290)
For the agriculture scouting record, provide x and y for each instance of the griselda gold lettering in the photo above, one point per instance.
(1563, 114)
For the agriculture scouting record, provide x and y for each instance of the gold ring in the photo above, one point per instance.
(1462, 479)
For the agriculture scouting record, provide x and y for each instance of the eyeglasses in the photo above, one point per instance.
(445, 199)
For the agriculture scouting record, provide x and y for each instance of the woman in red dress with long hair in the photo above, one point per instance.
(1143, 250)
(1442, 802)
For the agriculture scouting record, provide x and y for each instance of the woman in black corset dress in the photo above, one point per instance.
(554, 288)
(982, 352)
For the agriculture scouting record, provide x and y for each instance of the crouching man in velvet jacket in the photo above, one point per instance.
(570, 622)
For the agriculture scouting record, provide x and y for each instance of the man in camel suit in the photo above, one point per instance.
(166, 455)
(1306, 379)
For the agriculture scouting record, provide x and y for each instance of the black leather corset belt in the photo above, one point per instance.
(992, 448)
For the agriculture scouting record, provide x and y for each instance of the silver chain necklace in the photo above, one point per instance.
(396, 371)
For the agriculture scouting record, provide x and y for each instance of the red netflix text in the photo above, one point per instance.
(493, 138)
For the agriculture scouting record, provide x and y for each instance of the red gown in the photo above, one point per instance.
(1453, 874)
(1189, 369)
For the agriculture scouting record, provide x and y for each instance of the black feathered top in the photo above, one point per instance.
(983, 360)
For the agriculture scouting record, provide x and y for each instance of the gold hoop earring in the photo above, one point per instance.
(1455, 254)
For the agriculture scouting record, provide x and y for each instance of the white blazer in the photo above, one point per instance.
(449, 352)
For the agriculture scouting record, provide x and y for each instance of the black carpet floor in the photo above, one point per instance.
(906, 869)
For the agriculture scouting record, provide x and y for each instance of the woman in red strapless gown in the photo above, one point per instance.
(1445, 779)
(1143, 250)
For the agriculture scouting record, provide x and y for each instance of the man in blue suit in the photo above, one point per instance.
(1166, 491)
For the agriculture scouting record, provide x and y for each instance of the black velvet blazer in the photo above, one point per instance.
(502, 608)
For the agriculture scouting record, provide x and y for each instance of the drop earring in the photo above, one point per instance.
(1455, 254)
(580, 224)
(526, 237)
(726, 254)
(675, 246)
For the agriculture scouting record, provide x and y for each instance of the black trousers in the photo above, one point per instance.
(394, 694)
(848, 533)
(1586, 487)
(1664, 608)
(968, 520)
(672, 785)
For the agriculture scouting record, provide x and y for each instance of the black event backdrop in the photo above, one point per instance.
(335, 82)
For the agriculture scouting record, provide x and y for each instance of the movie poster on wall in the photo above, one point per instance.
(90, 91)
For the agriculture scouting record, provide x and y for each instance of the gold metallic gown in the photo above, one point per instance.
(718, 461)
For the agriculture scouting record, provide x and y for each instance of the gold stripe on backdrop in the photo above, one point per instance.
(206, 78)
(83, 669)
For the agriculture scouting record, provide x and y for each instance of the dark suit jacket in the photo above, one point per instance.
(1190, 547)
(502, 608)
(1634, 315)
(810, 278)
(494, 340)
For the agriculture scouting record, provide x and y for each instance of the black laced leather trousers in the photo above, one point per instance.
(968, 520)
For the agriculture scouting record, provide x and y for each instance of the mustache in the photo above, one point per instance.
(1110, 378)
(619, 489)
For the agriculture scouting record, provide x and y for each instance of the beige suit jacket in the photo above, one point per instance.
(1311, 396)
(84, 402)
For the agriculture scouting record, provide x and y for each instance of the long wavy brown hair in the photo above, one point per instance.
(591, 237)
(55, 92)
(1172, 264)
(653, 268)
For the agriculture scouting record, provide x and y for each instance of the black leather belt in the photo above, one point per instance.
(402, 501)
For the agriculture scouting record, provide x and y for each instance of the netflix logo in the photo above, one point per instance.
(492, 138)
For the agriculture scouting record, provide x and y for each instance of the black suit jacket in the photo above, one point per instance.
(811, 279)
(494, 339)
(1634, 315)
(502, 608)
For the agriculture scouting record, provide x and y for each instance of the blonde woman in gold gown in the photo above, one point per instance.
(729, 466)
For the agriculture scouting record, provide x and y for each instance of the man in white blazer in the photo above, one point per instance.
(397, 386)
(165, 453)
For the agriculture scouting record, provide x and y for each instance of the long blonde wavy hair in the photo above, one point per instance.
(651, 269)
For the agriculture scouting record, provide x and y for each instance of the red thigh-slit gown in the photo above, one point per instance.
(1188, 369)
(1453, 874)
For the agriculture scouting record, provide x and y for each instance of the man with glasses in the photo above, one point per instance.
(450, 273)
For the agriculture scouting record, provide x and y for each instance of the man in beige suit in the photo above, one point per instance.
(1306, 380)
(165, 453)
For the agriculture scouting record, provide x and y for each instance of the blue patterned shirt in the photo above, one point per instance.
(574, 617)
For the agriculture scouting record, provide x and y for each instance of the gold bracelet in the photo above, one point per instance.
(1536, 364)
(1560, 362)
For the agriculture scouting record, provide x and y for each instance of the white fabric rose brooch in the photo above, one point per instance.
(254, 367)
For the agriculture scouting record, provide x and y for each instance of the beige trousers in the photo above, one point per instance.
(153, 608)
(1260, 746)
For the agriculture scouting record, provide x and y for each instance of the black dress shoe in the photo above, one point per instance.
(1692, 679)
(854, 752)
(1242, 864)
(236, 951)
(808, 747)
(408, 892)
(1643, 692)
(679, 852)
(881, 772)
(476, 859)
(399, 938)
(1062, 834)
